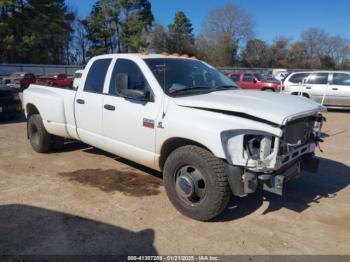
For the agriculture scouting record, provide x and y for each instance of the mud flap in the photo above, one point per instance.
(235, 180)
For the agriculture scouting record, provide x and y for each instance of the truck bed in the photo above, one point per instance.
(56, 107)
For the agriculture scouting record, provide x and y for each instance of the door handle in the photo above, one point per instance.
(109, 107)
(334, 88)
(80, 101)
(308, 87)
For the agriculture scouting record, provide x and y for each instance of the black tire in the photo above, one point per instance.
(268, 90)
(39, 138)
(214, 173)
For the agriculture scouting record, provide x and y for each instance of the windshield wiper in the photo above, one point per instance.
(174, 90)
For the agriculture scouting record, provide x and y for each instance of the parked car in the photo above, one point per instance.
(331, 88)
(77, 78)
(56, 80)
(279, 74)
(185, 118)
(19, 80)
(250, 80)
(10, 103)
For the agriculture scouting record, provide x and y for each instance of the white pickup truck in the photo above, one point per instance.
(183, 117)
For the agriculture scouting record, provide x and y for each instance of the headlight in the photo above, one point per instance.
(258, 147)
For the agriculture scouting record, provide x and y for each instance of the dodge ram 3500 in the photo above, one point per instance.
(184, 118)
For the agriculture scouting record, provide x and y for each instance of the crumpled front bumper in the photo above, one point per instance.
(243, 183)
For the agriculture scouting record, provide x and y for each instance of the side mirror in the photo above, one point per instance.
(255, 81)
(136, 94)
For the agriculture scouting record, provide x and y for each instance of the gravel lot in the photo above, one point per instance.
(85, 201)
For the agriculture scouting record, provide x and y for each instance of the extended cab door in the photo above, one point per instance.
(129, 124)
(89, 104)
(339, 91)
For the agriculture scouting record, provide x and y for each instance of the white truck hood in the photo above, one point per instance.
(274, 108)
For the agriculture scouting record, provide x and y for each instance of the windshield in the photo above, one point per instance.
(188, 77)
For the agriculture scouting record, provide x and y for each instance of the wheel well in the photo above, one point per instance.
(303, 94)
(31, 110)
(172, 144)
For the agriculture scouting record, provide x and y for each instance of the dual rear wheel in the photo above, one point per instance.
(40, 140)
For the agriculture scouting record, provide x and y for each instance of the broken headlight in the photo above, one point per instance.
(258, 147)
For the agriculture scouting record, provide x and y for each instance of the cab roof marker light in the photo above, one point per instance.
(165, 54)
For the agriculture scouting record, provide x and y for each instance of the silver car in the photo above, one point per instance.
(330, 88)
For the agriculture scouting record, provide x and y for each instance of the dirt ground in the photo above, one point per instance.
(85, 201)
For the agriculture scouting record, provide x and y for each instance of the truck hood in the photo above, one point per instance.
(271, 108)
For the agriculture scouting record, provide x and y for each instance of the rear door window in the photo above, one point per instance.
(341, 79)
(318, 79)
(96, 76)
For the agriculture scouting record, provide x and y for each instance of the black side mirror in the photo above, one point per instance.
(255, 81)
(136, 94)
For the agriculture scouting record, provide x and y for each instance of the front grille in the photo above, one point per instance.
(297, 133)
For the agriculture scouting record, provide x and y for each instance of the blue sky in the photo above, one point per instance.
(272, 18)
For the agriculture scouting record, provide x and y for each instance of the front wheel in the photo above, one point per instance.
(196, 182)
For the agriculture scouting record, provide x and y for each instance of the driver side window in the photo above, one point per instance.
(135, 78)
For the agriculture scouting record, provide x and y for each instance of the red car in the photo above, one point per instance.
(56, 79)
(250, 80)
(19, 80)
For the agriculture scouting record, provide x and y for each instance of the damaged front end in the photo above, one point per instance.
(270, 161)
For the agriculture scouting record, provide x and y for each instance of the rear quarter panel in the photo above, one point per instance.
(56, 107)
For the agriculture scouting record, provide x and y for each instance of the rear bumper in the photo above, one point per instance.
(248, 182)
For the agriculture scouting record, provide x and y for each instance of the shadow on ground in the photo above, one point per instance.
(31, 231)
(299, 194)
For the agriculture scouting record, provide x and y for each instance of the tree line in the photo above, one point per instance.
(49, 32)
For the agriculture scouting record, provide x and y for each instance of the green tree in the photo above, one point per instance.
(35, 31)
(181, 38)
(136, 22)
(158, 39)
(118, 26)
(280, 52)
